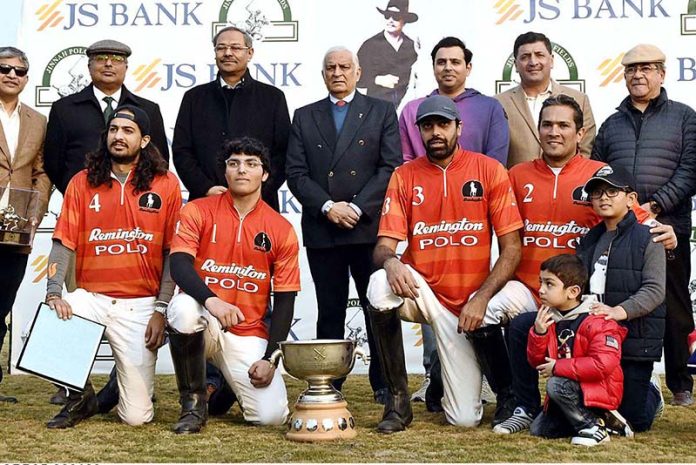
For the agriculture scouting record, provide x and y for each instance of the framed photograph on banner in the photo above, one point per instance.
(59, 351)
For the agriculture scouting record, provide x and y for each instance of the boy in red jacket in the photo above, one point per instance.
(578, 352)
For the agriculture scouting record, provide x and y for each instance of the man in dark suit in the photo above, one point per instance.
(341, 153)
(75, 125)
(233, 105)
(76, 121)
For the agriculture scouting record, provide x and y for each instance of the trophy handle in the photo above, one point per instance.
(358, 352)
(275, 357)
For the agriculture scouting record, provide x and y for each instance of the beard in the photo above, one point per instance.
(123, 159)
(441, 152)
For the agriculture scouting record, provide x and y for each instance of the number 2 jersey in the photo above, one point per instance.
(447, 215)
(239, 258)
(119, 236)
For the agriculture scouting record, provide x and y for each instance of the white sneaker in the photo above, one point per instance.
(487, 394)
(519, 421)
(655, 381)
(591, 436)
(419, 395)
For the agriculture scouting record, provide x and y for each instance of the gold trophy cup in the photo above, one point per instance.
(321, 412)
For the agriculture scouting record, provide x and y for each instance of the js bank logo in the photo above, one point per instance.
(40, 267)
(69, 15)
(549, 10)
(688, 21)
(562, 56)
(146, 75)
(611, 70)
(263, 20)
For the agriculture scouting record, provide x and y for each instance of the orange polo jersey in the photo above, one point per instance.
(118, 235)
(240, 258)
(447, 216)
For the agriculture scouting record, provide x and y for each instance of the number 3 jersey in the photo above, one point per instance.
(239, 258)
(118, 235)
(447, 215)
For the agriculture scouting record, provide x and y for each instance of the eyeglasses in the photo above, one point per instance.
(20, 72)
(394, 16)
(610, 191)
(644, 69)
(234, 48)
(107, 57)
(248, 164)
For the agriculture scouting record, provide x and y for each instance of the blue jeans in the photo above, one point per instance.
(566, 413)
(525, 378)
(640, 397)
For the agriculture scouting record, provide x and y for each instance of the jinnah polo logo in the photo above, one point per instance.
(49, 15)
(562, 57)
(611, 70)
(65, 74)
(263, 23)
(688, 21)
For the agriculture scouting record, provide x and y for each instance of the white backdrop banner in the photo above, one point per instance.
(172, 52)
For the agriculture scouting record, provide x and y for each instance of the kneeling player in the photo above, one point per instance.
(227, 251)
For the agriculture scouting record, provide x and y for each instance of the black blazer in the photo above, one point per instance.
(354, 166)
(75, 124)
(258, 110)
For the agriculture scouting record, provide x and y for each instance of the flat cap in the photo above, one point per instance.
(109, 46)
(437, 105)
(643, 53)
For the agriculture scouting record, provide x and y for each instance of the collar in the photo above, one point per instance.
(238, 85)
(395, 43)
(347, 99)
(16, 110)
(584, 307)
(548, 91)
(100, 95)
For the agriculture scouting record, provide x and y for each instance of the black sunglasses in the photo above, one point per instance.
(20, 72)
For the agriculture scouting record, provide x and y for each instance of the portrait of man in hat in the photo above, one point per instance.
(387, 57)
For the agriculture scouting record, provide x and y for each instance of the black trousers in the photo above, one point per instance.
(640, 397)
(331, 270)
(12, 268)
(680, 321)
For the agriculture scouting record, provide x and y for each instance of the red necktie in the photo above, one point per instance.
(341, 103)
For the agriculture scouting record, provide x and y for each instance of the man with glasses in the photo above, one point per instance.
(233, 105)
(75, 124)
(655, 138)
(21, 167)
(388, 56)
(227, 252)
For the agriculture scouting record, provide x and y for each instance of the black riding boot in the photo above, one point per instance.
(188, 356)
(79, 406)
(386, 328)
(492, 355)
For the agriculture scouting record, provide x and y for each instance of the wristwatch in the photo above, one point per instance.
(161, 308)
(655, 207)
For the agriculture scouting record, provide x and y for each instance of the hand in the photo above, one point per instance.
(343, 215)
(216, 190)
(387, 80)
(227, 314)
(611, 313)
(472, 313)
(665, 235)
(543, 320)
(400, 279)
(62, 308)
(646, 207)
(154, 333)
(546, 369)
(261, 373)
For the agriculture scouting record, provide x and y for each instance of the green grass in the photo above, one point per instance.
(24, 437)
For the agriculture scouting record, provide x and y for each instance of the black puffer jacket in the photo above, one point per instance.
(661, 154)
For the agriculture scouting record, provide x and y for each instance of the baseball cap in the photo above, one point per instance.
(139, 117)
(437, 105)
(643, 53)
(109, 46)
(617, 177)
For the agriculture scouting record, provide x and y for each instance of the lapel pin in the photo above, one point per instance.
(360, 115)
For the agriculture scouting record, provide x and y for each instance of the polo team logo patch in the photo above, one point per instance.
(262, 242)
(150, 202)
(612, 342)
(472, 190)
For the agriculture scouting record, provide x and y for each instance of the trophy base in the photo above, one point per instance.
(321, 422)
(15, 238)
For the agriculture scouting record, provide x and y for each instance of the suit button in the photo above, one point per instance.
(353, 173)
(331, 174)
(361, 142)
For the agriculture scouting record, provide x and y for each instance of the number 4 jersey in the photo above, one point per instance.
(119, 235)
